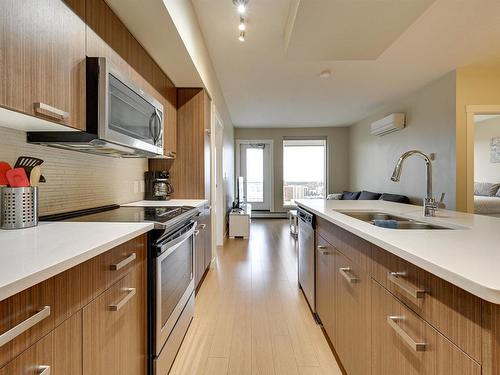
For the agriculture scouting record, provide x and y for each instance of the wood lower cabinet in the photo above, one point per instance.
(42, 68)
(203, 245)
(93, 319)
(35, 360)
(404, 344)
(416, 324)
(352, 324)
(109, 323)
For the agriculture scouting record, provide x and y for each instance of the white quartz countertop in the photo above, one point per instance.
(467, 256)
(169, 203)
(30, 256)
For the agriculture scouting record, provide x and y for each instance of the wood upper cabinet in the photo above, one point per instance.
(325, 285)
(42, 43)
(352, 294)
(190, 173)
(404, 344)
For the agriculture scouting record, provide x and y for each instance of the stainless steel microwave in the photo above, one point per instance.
(122, 120)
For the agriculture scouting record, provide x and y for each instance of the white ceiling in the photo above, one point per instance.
(265, 87)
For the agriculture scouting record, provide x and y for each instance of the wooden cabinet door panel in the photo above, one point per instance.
(22, 307)
(352, 315)
(43, 59)
(68, 358)
(325, 284)
(392, 353)
(34, 360)
(114, 334)
(451, 310)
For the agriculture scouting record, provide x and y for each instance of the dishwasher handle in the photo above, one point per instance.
(305, 217)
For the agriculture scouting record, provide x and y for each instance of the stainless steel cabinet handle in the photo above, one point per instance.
(397, 279)
(22, 327)
(196, 232)
(56, 112)
(348, 275)
(393, 322)
(123, 263)
(43, 370)
(202, 226)
(123, 302)
(324, 250)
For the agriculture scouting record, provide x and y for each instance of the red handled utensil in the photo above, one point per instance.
(17, 178)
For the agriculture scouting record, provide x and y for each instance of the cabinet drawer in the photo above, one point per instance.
(37, 360)
(101, 272)
(325, 284)
(452, 311)
(25, 318)
(353, 247)
(404, 344)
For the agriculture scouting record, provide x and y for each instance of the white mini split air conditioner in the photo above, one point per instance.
(389, 124)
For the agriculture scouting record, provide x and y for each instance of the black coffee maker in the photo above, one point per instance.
(158, 186)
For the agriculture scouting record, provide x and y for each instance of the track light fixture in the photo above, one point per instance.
(241, 6)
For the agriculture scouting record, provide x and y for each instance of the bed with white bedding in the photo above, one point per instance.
(487, 205)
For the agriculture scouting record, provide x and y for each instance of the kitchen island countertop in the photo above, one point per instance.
(467, 256)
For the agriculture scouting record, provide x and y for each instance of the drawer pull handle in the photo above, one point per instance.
(56, 112)
(393, 322)
(123, 302)
(43, 370)
(202, 226)
(123, 263)
(346, 272)
(397, 279)
(22, 327)
(324, 250)
(196, 232)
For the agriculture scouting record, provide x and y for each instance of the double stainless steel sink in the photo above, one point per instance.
(402, 222)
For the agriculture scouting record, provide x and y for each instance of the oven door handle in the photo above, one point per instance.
(164, 246)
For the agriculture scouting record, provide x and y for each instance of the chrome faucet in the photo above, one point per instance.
(430, 204)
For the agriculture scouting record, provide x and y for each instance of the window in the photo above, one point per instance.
(304, 170)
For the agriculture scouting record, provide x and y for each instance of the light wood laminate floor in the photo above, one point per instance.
(250, 317)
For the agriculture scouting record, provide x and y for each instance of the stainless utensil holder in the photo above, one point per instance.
(18, 207)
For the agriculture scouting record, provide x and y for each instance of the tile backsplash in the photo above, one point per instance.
(76, 180)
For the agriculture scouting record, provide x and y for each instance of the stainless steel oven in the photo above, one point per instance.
(173, 294)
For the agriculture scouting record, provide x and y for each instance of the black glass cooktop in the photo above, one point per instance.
(116, 213)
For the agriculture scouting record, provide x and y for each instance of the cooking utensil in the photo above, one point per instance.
(17, 178)
(27, 161)
(35, 175)
(4, 167)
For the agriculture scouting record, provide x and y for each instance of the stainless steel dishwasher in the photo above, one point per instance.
(306, 264)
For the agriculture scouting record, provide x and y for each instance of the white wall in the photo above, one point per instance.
(184, 17)
(484, 169)
(337, 147)
(76, 180)
(430, 128)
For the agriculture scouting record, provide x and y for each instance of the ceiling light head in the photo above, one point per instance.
(241, 38)
(242, 26)
(325, 73)
(241, 5)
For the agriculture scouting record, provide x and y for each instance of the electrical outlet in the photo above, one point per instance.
(136, 187)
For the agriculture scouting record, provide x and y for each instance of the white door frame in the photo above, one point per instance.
(270, 143)
(471, 111)
(218, 194)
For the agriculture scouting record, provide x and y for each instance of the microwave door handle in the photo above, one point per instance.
(155, 126)
(160, 130)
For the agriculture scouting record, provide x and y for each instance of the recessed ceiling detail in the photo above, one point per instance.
(347, 29)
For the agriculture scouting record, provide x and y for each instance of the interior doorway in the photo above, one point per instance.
(483, 159)
(255, 164)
